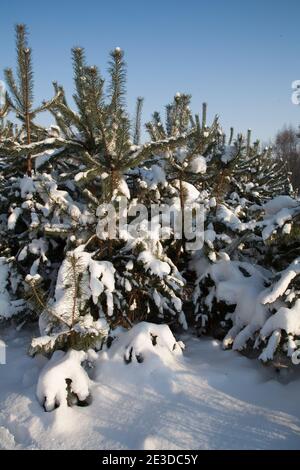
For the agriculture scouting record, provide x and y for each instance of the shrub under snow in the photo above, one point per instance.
(145, 343)
(62, 375)
(144, 349)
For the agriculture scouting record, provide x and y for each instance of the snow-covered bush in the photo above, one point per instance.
(145, 349)
(92, 294)
(232, 286)
(255, 306)
(63, 380)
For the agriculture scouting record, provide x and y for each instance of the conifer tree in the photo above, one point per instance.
(20, 97)
(187, 164)
(97, 139)
(60, 265)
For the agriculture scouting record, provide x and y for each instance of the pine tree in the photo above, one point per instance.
(101, 146)
(20, 98)
(60, 265)
(242, 255)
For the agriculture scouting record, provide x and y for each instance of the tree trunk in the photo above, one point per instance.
(27, 114)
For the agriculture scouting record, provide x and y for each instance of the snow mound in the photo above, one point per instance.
(147, 344)
(7, 440)
(214, 401)
(63, 371)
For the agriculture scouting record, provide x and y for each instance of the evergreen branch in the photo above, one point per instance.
(78, 57)
(44, 306)
(137, 121)
(63, 122)
(9, 78)
(117, 71)
(21, 45)
(91, 160)
(156, 147)
(72, 117)
(5, 108)
(47, 104)
(12, 149)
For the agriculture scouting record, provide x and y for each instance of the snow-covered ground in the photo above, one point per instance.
(205, 399)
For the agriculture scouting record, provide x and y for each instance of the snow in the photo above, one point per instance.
(204, 398)
(282, 284)
(278, 212)
(43, 157)
(231, 220)
(158, 176)
(152, 177)
(27, 187)
(7, 440)
(236, 289)
(13, 218)
(287, 229)
(4, 295)
(225, 215)
(97, 277)
(242, 285)
(146, 345)
(277, 203)
(8, 306)
(275, 221)
(285, 318)
(197, 164)
(63, 199)
(2, 352)
(129, 265)
(36, 247)
(268, 352)
(122, 188)
(191, 193)
(51, 387)
(155, 266)
(105, 271)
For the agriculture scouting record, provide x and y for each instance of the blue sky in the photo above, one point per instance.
(239, 56)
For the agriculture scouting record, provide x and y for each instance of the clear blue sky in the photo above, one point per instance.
(239, 56)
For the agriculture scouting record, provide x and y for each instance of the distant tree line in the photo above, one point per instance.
(287, 147)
